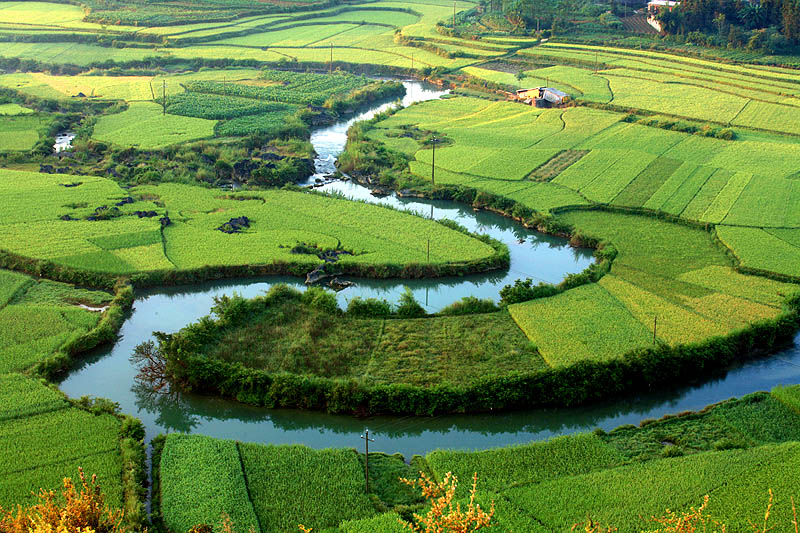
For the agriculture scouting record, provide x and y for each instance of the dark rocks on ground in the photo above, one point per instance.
(145, 214)
(67, 217)
(165, 221)
(235, 225)
(73, 184)
(126, 200)
(46, 169)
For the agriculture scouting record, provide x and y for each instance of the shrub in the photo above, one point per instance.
(369, 308)
(76, 511)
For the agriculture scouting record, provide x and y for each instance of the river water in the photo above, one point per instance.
(107, 372)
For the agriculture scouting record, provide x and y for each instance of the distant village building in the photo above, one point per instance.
(654, 7)
(542, 96)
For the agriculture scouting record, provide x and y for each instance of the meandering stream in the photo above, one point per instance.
(107, 372)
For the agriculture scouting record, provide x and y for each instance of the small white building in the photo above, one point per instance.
(542, 96)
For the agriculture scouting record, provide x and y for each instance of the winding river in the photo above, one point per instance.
(107, 372)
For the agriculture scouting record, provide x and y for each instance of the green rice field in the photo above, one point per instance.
(124, 243)
(33, 459)
(621, 478)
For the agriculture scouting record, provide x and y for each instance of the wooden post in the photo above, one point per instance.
(367, 440)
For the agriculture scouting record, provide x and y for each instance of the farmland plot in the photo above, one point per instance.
(31, 458)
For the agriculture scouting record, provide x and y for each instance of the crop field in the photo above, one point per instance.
(38, 316)
(358, 36)
(286, 485)
(423, 352)
(620, 496)
(19, 133)
(694, 177)
(144, 126)
(548, 484)
(128, 88)
(669, 276)
(125, 243)
(761, 249)
(767, 99)
(14, 109)
(32, 459)
(284, 87)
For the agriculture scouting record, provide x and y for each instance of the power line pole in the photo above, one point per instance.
(454, 15)
(164, 98)
(655, 326)
(367, 440)
(433, 164)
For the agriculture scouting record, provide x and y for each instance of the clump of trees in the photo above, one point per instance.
(769, 26)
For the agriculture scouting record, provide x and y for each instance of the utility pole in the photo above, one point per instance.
(164, 98)
(433, 163)
(367, 440)
(655, 326)
(454, 15)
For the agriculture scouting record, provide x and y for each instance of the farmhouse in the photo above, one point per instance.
(542, 96)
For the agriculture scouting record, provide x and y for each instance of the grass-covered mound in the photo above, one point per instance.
(305, 334)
